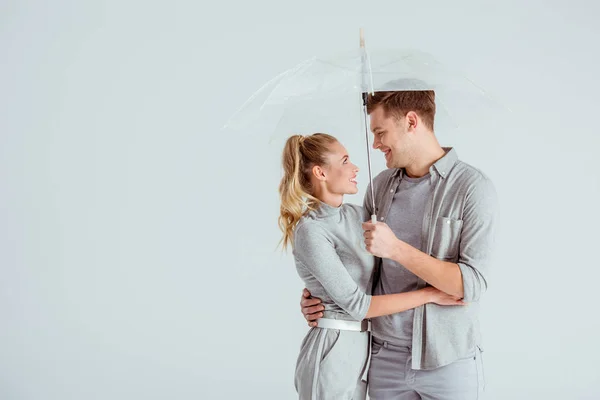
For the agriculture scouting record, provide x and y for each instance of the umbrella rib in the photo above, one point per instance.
(254, 95)
(290, 71)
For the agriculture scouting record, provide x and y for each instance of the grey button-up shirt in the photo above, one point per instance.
(459, 227)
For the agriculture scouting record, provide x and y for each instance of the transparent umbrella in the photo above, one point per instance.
(460, 102)
(316, 93)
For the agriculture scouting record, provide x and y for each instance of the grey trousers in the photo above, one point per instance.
(331, 364)
(391, 376)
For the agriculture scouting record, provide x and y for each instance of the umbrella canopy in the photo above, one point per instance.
(319, 93)
(320, 81)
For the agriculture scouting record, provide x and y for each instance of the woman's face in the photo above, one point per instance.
(340, 173)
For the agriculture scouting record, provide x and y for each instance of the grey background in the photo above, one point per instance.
(138, 252)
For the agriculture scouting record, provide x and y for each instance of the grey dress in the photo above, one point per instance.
(332, 261)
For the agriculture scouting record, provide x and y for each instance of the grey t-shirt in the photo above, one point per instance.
(405, 218)
(333, 262)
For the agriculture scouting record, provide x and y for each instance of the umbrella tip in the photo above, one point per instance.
(362, 38)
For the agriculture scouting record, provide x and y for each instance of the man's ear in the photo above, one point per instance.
(412, 119)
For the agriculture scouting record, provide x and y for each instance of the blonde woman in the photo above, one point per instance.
(328, 247)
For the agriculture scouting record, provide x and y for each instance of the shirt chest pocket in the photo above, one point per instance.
(446, 238)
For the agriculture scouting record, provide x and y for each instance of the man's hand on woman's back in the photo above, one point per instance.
(311, 308)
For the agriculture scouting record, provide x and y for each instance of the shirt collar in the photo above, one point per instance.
(441, 166)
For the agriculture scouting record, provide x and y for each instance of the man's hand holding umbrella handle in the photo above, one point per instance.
(379, 239)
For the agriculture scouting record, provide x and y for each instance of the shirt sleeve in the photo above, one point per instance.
(477, 240)
(315, 252)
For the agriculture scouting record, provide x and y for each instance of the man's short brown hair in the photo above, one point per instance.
(398, 103)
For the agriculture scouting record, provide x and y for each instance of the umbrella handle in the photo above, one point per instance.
(373, 218)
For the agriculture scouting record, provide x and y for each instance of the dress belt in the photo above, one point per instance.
(358, 326)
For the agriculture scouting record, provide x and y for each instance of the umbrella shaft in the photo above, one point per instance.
(364, 99)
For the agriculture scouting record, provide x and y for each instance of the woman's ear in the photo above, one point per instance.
(319, 173)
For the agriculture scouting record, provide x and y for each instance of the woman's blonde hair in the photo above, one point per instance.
(300, 155)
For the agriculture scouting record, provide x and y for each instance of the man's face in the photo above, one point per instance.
(391, 138)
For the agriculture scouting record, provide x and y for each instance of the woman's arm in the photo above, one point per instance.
(394, 303)
(317, 254)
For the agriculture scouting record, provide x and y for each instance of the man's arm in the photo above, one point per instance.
(465, 279)
(445, 276)
(478, 238)
(381, 241)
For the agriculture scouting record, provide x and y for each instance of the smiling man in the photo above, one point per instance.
(436, 222)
